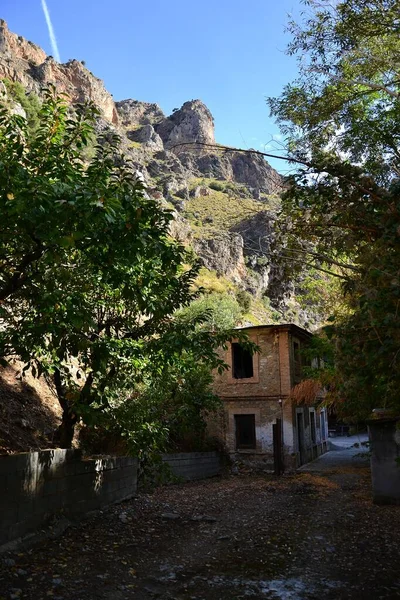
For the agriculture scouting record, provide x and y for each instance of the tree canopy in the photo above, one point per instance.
(341, 119)
(90, 277)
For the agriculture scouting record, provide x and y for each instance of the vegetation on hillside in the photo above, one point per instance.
(217, 208)
(31, 103)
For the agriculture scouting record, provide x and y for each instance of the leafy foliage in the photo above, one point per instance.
(90, 278)
(215, 311)
(342, 208)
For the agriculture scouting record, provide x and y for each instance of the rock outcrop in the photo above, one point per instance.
(23, 61)
(223, 254)
(206, 187)
(147, 136)
(14, 47)
(133, 113)
(191, 123)
(247, 168)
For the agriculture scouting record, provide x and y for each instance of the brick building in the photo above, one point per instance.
(256, 392)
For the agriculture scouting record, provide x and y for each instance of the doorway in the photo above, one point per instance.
(300, 437)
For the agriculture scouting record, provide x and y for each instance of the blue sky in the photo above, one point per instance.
(228, 53)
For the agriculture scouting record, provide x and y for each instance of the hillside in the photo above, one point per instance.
(225, 202)
(29, 411)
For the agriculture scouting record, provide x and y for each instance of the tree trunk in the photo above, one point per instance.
(65, 432)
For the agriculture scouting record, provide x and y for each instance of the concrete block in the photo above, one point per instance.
(37, 485)
(384, 434)
(83, 467)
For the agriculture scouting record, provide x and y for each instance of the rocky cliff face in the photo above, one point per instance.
(190, 124)
(224, 201)
(15, 47)
(23, 61)
(133, 113)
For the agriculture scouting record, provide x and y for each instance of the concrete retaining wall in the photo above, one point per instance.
(194, 465)
(384, 436)
(36, 486)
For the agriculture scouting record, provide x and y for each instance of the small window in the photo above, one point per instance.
(245, 426)
(313, 432)
(242, 362)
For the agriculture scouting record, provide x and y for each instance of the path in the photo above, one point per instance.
(299, 537)
(345, 451)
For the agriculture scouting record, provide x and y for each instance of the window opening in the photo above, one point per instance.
(245, 426)
(242, 362)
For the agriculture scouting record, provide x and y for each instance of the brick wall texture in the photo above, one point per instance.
(266, 395)
(37, 486)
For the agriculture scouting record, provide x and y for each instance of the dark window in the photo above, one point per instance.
(313, 432)
(242, 362)
(245, 432)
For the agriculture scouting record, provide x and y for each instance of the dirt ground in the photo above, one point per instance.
(304, 536)
(29, 411)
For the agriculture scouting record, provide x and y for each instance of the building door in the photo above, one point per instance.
(300, 436)
(245, 426)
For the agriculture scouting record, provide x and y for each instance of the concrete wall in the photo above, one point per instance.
(384, 436)
(194, 465)
(35, 486)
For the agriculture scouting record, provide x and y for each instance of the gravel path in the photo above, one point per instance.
(304, 536)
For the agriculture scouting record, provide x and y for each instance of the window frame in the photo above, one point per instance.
(241, 416)
(256, 365)
(246, 356)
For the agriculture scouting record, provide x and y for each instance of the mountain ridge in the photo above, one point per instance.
(225, 202)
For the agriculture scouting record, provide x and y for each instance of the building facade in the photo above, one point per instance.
(256, 394)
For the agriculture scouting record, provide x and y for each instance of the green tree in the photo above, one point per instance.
(215, 311)
(89, 275)
(341, 119)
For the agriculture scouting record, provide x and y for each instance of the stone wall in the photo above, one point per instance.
(194, 465)
(37, 486)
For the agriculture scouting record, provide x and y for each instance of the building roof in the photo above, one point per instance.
(283, 326)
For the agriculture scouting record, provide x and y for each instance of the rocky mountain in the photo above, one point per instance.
(224, 201)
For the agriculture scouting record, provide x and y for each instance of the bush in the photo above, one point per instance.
(244, 300)
(221, 311)
(29, 102)
(218, 186)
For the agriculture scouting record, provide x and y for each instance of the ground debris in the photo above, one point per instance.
(299, 537)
